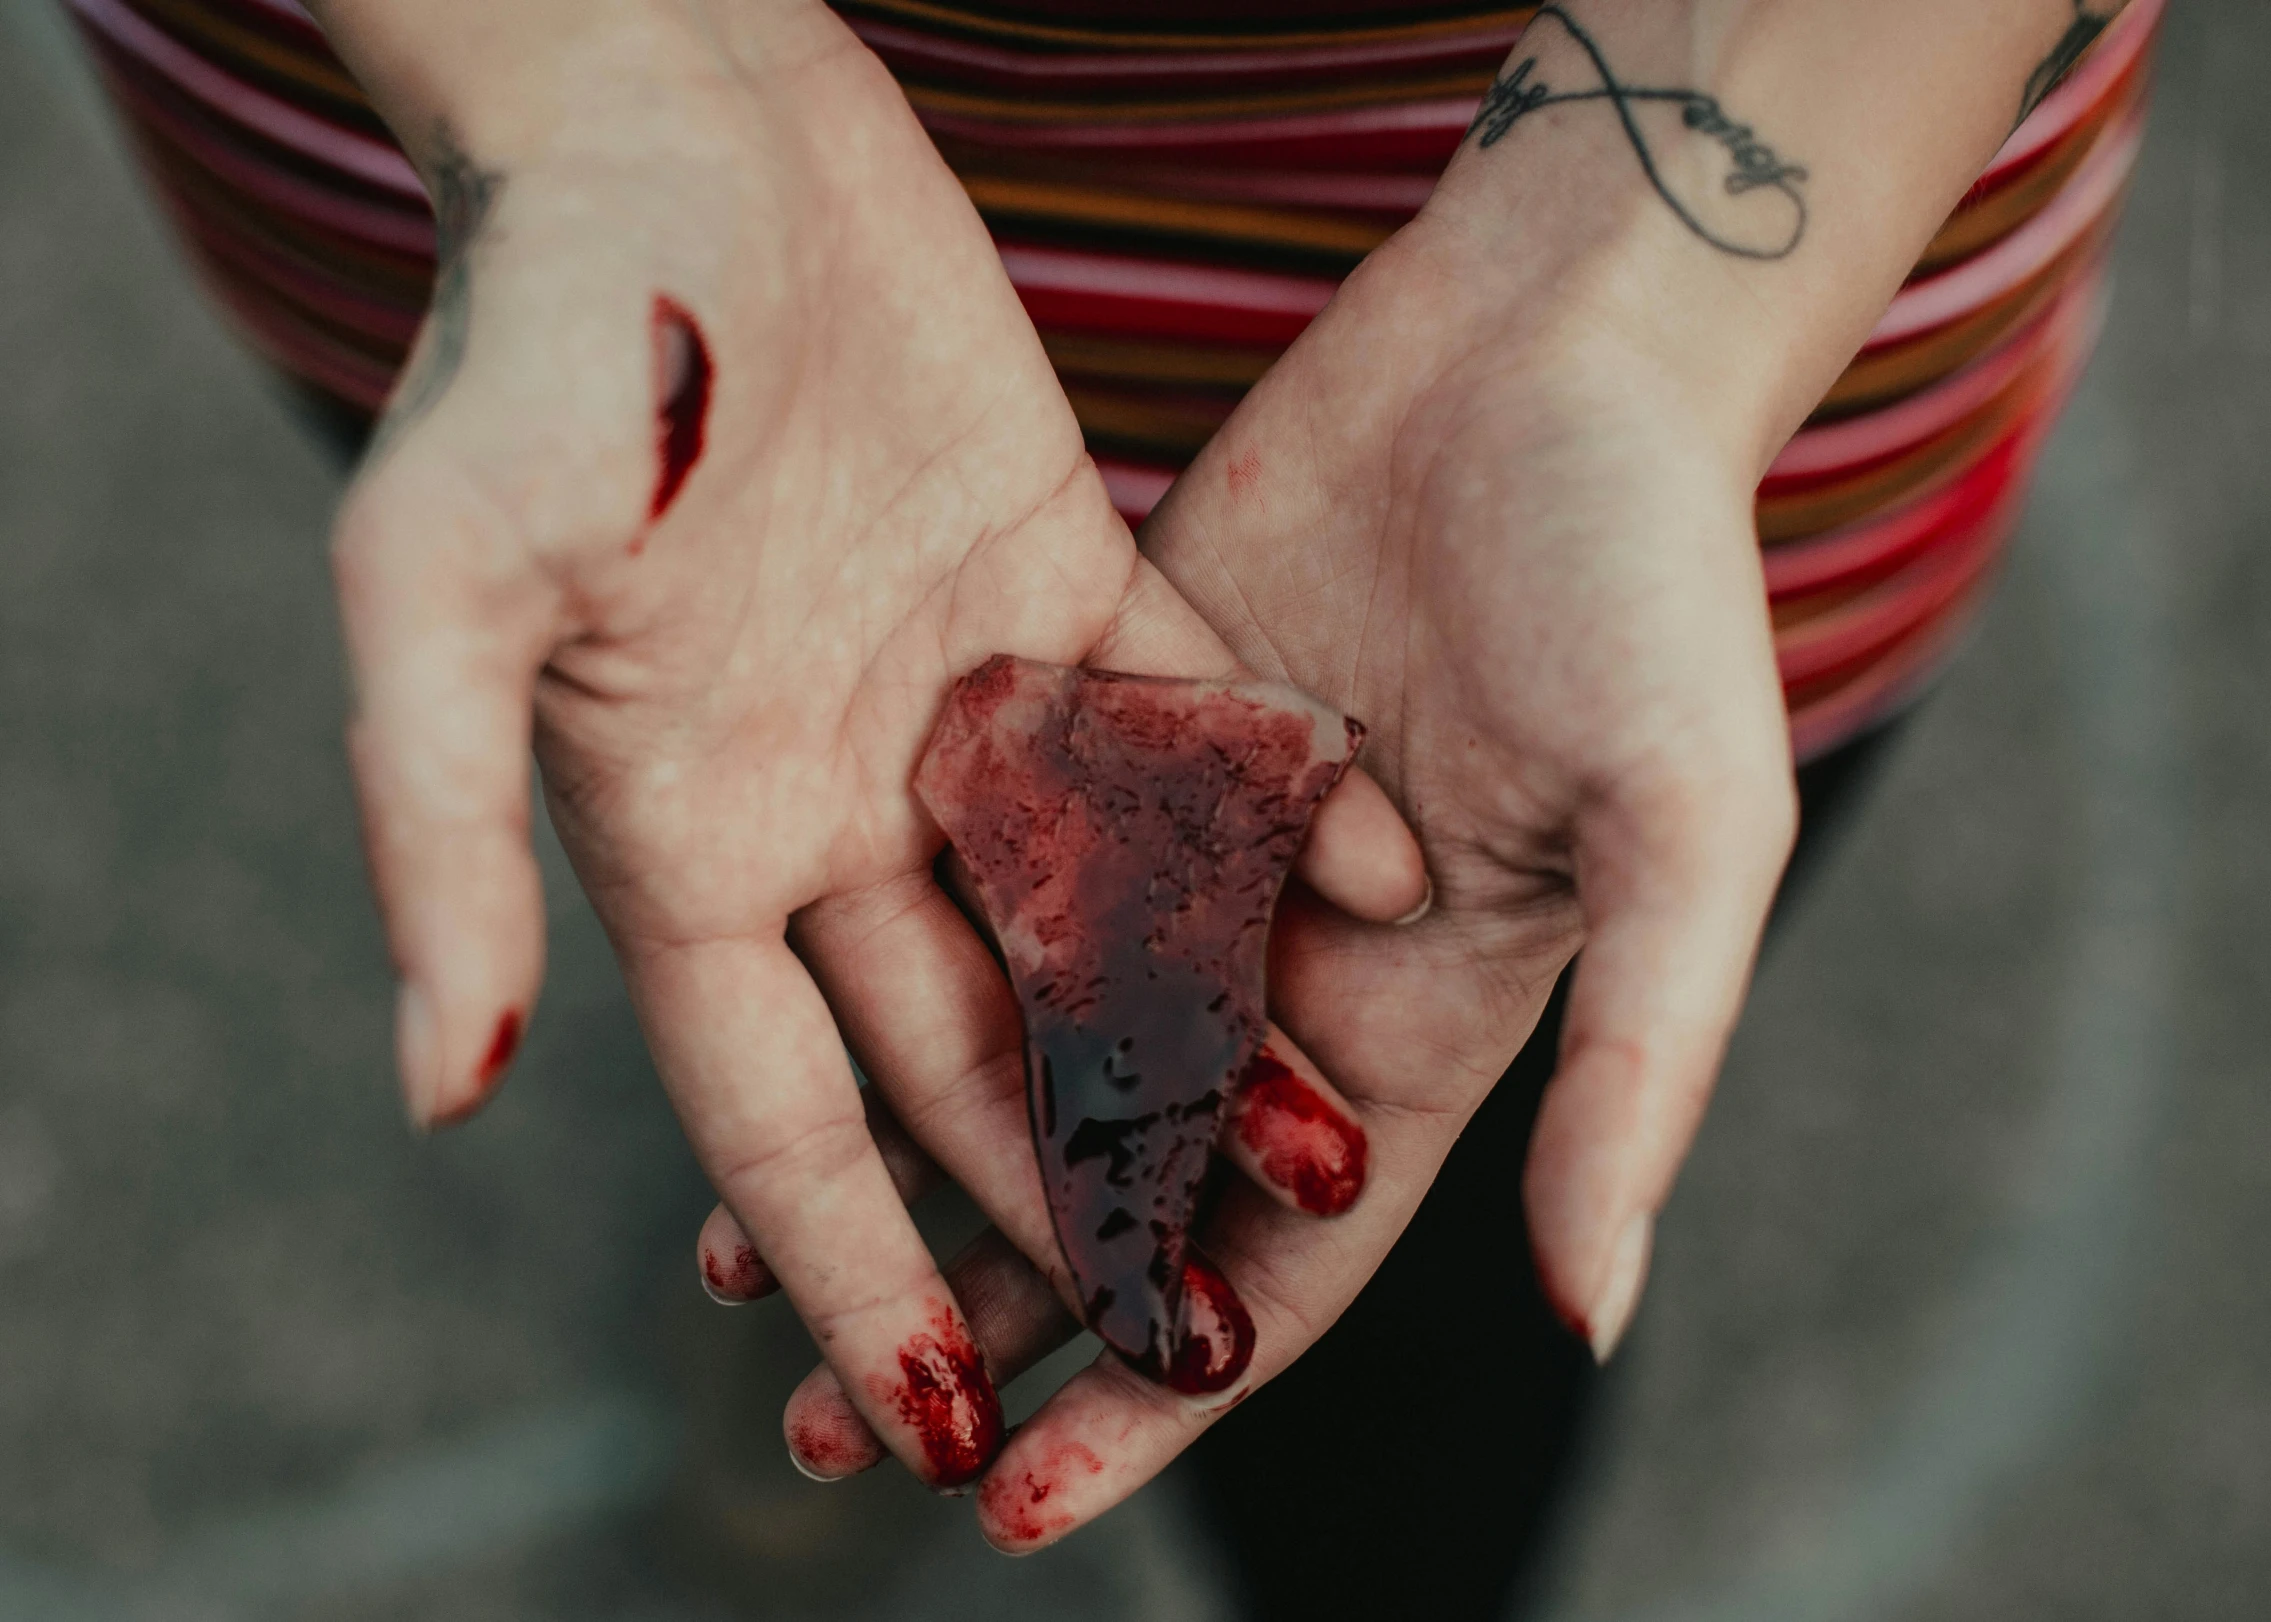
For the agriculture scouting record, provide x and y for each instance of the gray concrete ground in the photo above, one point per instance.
(1959, 1311)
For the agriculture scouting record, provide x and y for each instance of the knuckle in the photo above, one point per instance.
(822, 1149)
(971, 1106)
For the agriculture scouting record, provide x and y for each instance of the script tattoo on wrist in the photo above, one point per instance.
(464, 197)
(1755, 168)
(2081, 33)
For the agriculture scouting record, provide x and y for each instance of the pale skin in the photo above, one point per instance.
(1496, 502)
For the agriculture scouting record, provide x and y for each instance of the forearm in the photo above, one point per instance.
(507, 77)
(1738, 186)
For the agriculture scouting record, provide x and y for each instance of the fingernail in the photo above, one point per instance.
(810, 1474)
(414, 1052)
(1426, 905)
(738, 1279)
(1620, 1293)
(828, 1440)
(1301, 1144)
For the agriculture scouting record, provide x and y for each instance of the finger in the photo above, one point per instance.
(1675, 889)
(732, 1272)
(1290, 1130)
(1397, 1009)
(1309, 1153)
(922, 1002)
(1015, 1317)
(760, 1078)
(1108, 1430)
(1359, 854)
(935, 1023)
(446, 623)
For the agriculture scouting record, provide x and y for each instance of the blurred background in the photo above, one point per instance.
(1959, 1311)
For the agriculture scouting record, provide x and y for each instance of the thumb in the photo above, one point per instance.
(1360, 854)
(447, 621)
(1675, 884)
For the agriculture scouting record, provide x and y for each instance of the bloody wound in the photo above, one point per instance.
(1128, 837)
(682, 399)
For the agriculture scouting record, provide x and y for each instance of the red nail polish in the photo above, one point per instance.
(1305, 1146)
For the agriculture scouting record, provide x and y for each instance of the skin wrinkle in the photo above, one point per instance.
(833, 1145)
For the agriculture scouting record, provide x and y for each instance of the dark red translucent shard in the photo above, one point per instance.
(1127, 837)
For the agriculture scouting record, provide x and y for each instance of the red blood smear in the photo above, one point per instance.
(1305, 1146)
(742, 1276)
(682, 400)
(502, 1046)
(1217, 1338)
(949, 1400)
(1028, 1507)
(1128, 837)
(831, 1440)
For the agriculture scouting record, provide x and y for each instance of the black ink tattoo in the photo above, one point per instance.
(2072, 46)
(1756, 167)
(464, 196)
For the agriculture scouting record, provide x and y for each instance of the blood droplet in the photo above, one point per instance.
(683, 376)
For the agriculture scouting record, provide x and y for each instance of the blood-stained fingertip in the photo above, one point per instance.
(1299, 1141)
(496, 1059)
(1020, 1510)
(504, 1043)
(735, 1275)
(1215, 1340)
(828, 1440)
(948, 1399)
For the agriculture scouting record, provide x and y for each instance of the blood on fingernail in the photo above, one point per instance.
(503, 1044)
(828, 1439)
(1215, 1341)
(1301, 1143)
(738, 1275)
(948, 1399)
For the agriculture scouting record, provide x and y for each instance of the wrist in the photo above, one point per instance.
(1731, 189)
(509, 80)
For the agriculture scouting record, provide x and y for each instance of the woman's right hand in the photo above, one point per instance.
(726, 448)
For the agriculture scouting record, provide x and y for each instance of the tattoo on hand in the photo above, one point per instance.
(2080, 35)
(464, 196)
(1756, 167)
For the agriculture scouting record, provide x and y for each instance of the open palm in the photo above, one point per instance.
(727, 448)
